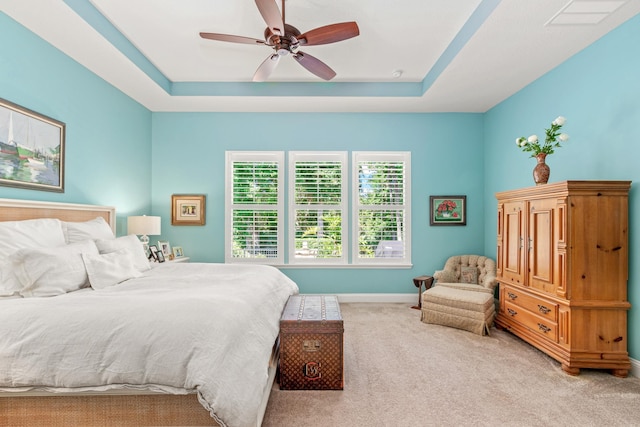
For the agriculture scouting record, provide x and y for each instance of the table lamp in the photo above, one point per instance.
(144, 226)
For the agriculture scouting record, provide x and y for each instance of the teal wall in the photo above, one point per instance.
(447, 158)
(108, 139)
(598, 91)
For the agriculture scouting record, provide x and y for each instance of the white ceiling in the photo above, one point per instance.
(454, 56)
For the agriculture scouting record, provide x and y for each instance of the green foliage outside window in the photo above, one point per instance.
(318, 232)
(255, 230)
(380, 184)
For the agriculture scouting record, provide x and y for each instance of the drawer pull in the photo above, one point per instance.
(512, 296)
(543, 309)
(511, 312)
(543, 328)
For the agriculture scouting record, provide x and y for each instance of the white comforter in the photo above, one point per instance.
(178, 328)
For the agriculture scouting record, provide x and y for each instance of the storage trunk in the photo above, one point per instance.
(311, 344)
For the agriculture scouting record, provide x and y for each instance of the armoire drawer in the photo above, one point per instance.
(532, 321)
(533, 304)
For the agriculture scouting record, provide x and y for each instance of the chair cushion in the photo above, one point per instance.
(466, 287)
(458, 298)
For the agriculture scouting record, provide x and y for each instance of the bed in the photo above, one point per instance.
(178, 344)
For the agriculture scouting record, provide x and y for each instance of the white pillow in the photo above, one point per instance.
(89, 230)
(16, 235)
(132, 244)
(9, 283)
(31, 233)
(109, 269)
(52, 271)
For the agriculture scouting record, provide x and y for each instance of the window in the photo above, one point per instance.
(323, 225)
(317, 207)
(381, 208)
(254, 216)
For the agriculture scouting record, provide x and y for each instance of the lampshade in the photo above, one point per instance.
(143, 225)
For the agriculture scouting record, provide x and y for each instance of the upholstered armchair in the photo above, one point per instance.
(468, 272)
(463, 294)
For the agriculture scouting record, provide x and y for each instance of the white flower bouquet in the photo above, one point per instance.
(553, 138)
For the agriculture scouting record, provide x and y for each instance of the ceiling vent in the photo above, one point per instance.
(585, 12)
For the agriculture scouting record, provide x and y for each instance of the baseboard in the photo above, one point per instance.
(635, 368)
(399, 298)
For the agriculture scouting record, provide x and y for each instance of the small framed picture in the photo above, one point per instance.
(160, 256)
(153, 253)
(187, 209)
(448, 210)
(164, 247)
(177, 252)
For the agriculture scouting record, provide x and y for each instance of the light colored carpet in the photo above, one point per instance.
(402, 372)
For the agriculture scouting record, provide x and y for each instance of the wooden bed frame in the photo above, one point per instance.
(99, 409)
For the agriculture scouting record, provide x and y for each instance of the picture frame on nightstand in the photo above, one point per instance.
(165, 248)
(153, 253)
(177, 252)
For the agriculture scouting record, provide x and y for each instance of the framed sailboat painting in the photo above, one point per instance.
(31, 149)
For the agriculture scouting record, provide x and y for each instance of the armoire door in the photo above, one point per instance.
(513, 234)
(541, 244)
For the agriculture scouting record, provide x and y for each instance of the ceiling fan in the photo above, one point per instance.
(285, 39)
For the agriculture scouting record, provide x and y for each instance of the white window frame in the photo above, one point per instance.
(382, 156)
(350, 208)
(318, 156)
(253, 156)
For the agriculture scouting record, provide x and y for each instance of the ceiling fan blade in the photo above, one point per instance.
(271, 15)
(266, 68)
(314, 65)
(329, 34)
(231, 38)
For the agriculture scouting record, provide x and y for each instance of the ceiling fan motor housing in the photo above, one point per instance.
(284, 44)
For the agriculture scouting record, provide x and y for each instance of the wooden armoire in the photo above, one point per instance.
(562, 266)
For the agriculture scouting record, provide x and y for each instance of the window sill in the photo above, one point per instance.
(346, 266)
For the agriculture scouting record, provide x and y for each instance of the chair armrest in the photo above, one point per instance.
(489, 281)
(445, 276)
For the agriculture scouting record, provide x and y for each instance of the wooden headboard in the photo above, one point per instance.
(19, 210)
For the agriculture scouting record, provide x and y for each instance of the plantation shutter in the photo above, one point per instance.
(254, 216)
(382, 208)
(317, 215)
